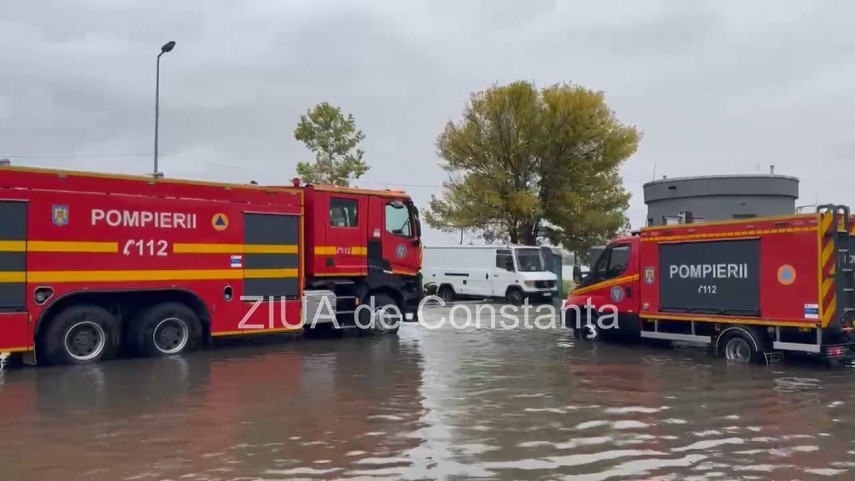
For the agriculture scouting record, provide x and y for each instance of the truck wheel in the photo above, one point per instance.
(385, 312)
(514, 296)
(738, 345)
(164, 330)
(82, 334)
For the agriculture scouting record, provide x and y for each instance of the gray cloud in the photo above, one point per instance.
(717, 87)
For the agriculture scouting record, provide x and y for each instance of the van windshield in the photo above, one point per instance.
(529, 260)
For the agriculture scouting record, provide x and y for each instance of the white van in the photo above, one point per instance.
(509, 272)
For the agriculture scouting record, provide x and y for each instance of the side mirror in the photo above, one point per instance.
(577, 275)
(509, 264)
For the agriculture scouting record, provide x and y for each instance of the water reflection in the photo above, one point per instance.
(429, 404)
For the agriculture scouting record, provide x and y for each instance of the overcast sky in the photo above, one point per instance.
(716, 87)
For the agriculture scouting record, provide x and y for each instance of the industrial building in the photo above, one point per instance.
(719, 197)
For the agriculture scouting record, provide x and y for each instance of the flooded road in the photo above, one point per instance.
(428, 404)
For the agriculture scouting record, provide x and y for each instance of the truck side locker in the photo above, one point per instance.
(14, 319)
(271, 263)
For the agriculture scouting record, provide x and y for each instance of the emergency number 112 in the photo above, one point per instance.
(143, 247)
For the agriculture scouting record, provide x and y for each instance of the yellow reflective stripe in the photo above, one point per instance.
(72, 246)
(269, 273)
(16, 349)
(146, 275)
(258, 331)
(13, 246)
(191, 248)
(113, 247)
(603, 284)
(269, 249)
(58, 246)
(341, 250)
(13, 277)
(131, 276)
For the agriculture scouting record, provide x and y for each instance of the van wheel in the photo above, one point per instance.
(739, 345)
(83, 334)
(446, 293)
(514, 296)
(164, 330)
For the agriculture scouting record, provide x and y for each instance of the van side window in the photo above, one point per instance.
(343, 212)
(504, 260)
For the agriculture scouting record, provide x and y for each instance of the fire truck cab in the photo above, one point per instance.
(750, 289)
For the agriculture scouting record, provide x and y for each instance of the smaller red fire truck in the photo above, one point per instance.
(751, 289)
(94, 264)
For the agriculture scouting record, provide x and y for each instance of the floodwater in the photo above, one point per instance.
(428, 404)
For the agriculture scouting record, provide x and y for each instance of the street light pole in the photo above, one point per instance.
(166, 48)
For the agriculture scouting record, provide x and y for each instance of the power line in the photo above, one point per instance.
(217, 164)
(74, 156)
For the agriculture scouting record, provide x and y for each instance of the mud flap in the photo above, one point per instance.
(29, 357)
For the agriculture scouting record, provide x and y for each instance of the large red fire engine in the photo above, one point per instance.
(94, 264)
(750, 288)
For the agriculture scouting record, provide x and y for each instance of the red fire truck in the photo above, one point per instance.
(751, 288)
(92, 264)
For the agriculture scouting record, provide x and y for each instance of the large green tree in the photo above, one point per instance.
(333, 138)
(535, 165)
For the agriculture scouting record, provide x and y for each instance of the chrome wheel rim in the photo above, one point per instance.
(170, 335)
(85, 340)
(384, 318)
(737, 349)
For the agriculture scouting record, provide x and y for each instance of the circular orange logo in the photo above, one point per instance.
(786, 274)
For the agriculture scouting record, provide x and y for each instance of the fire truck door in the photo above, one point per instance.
(614, 268)
(14, 330)
(346, 235)
(400, 239)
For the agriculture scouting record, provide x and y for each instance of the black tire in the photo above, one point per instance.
(81, 334)
(740, 345)
(588, 332)
(430, 289)
(165, 329)
(376, 326)
(446, 293)
(514, 296)
(583, 324)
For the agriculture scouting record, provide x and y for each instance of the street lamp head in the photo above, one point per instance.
(167, 47)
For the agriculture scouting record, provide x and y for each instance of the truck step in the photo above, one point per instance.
(774, 357)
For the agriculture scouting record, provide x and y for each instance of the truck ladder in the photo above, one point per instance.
(844, 274)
